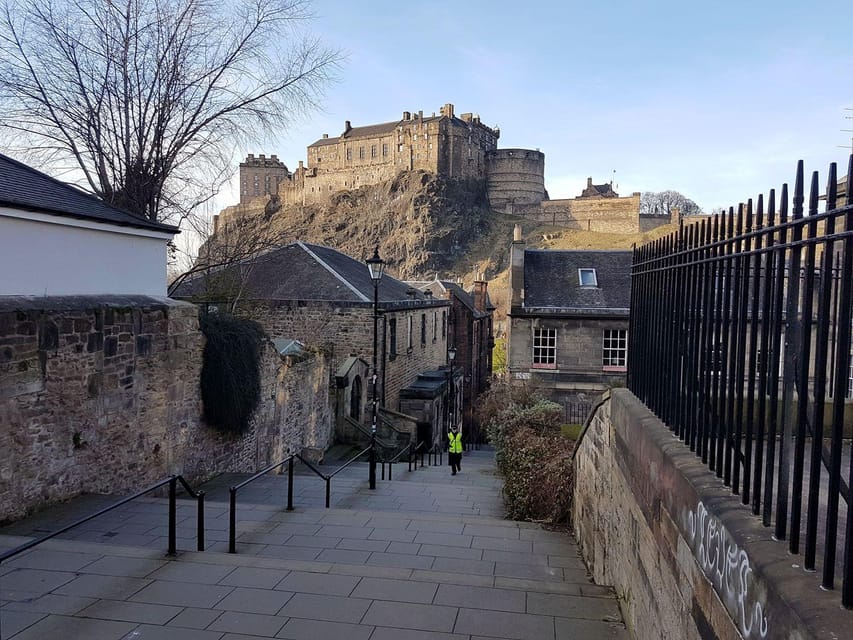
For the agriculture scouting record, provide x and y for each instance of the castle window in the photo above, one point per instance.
(361, 153)
(416, 136)
(400, 148)
(430, 145)
(384, 149)
(349, 153)
(373, 151)
(423, 329)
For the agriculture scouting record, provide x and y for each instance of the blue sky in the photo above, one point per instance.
(717, 100)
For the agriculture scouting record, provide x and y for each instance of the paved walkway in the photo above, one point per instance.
(425, 557)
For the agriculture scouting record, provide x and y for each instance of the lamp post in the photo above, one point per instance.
(375, 265)
(451, 356)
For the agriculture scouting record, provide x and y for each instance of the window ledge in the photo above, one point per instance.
(611, 369)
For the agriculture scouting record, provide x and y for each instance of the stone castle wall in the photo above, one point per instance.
(686, 558)
(515, 177)
(102, 395)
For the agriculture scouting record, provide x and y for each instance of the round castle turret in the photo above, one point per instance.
(516, 177)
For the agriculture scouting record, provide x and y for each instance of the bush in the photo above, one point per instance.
(230, 372)
(531, 452)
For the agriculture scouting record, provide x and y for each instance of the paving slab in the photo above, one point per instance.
(425, 557)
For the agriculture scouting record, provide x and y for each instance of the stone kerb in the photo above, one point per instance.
(688, 558)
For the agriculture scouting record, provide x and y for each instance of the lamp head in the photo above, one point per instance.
(375, 265)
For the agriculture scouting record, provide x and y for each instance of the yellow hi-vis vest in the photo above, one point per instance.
(455, 442)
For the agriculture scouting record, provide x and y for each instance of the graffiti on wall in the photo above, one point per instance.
(727, 566)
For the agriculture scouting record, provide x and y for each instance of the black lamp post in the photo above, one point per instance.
(375, 265)
(451, 356)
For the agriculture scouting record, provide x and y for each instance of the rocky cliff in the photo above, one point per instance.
(422, 223)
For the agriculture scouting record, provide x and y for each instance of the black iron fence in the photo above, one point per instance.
(740, 342)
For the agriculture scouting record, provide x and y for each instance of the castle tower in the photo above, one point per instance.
(261, 176)
(516, 177)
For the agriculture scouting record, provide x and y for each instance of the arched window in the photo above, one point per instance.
(355, 399)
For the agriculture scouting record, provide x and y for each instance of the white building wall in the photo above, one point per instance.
(44, 255)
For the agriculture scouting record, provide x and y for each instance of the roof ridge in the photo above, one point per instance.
(81, 192)
(329, 268)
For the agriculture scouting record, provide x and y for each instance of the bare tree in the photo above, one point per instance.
(226, 259)
(145, 99)
(661, 203)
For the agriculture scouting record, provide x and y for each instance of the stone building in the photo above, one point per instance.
(443, 144)
(324, 299)
(471, 332)
(568, 320)
(261, 176)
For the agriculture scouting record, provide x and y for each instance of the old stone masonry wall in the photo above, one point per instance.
(102, 395)
(686, 558)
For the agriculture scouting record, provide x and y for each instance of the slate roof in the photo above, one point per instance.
(439, 287)
(551, 280)
(22, 187)
(303, 271)
(369, 131)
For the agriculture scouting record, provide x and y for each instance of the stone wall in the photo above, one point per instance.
(342, 330)
(688, 560)
(102, 395)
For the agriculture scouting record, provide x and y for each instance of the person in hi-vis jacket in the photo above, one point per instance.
(454, 451)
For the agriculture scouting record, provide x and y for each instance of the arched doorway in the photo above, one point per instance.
(355, 399)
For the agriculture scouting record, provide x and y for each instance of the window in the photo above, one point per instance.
(444, 324)
(434, 325)
(587, 277)
(545, 348)
(392, 338)
(423, 329)
(349, 153)
(373, 151)
(384, 149)
(615, 353)
(409, 333)
(361, 153)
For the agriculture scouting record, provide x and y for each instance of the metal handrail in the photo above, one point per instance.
(414, 453)
(172, 481)
(232, 532)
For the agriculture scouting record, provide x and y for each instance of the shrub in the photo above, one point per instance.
(230, 372)
(531, 452)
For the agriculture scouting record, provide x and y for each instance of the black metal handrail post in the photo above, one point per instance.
(290, 484)
(173, 517)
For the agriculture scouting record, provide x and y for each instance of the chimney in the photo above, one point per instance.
(325, 136)
(589, 183)
(480, 289)
(215, 224)
(407, 115)
(347, 127)
(447, 110)
(262, 156)
(420, 115)
(516, 273)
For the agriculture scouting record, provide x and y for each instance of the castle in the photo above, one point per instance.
(443, 144)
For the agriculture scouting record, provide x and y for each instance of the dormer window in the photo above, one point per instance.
(587, 277)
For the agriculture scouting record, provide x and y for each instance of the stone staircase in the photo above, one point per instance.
(425, 557)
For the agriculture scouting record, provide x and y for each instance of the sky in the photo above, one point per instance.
(717, 100)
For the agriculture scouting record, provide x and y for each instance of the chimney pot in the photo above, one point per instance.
(516, 233)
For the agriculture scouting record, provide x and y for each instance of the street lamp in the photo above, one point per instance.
(375, 265)
(451, 356)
